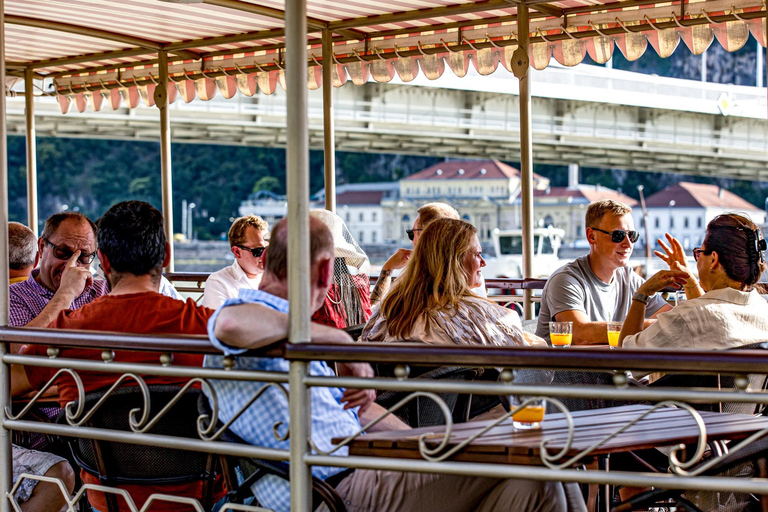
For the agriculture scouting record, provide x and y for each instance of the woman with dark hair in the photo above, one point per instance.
(432, 301)
(723, 309)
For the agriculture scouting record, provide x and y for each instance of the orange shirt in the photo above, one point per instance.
(138, 313)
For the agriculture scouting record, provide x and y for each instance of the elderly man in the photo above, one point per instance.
(335, 413)
(598, 287)
(425, 215)
(133, 251)
(22, 252)
(66, 249)
(247, 242)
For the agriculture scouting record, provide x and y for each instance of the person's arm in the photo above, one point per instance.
(391, 422)
(635, 320)
(585, 332)
(19, 382)
(250, 326)
(663, 309)
(74, 280)
(396, 261)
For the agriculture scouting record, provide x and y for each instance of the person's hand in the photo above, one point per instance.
(74, 279)
(397, 260)
(362, 398)
(663, 279)
(673, 255)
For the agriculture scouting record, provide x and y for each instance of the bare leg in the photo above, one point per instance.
(47, 497)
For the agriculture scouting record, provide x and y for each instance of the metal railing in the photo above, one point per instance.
(739, 363)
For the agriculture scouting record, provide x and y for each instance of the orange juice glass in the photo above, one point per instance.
(531, 415)
(561, 334)
(614, 329)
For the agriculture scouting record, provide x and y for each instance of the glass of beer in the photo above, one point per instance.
(561, 334)
(614, 328)
(531, 415)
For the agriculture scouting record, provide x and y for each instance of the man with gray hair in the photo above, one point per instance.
(22, 251)
(599, 287)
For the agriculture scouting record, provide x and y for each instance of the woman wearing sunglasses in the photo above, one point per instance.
(723, 309)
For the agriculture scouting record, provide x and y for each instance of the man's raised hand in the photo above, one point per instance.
(74, 279)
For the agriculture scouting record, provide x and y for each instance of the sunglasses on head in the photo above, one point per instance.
(698, 251)
(410, 233)
(256, 251)
(62, 253)
(617, 235)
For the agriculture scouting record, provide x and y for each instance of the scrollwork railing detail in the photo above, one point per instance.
(80, 395)
(439, 401)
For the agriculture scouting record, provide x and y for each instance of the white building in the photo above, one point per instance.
(359, 205)
(684, 210)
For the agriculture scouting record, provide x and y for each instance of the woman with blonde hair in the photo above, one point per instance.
(432, 301)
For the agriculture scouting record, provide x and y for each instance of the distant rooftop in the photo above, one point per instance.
(698, 195)
(587, 193)
(468, 169)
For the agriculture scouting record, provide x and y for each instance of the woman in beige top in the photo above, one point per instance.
(432, 301)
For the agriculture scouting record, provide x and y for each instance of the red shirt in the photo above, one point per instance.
(137, 313)
(332, 312)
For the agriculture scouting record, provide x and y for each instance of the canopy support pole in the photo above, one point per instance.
(329, 135)
(526, 160)
(6, 453)
(297, 181)
(161, 101)
(29, 102)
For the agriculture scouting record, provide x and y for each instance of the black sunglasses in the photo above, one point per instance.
(62, 253)
(410, 233)
(698, 251)
(256, 251)
(617, 235)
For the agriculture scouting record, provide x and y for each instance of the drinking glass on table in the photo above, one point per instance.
(614, 329)
(532, 413)
(561, 334)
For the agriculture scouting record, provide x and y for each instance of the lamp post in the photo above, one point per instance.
(190, 233)
(671, 222)
(647, 232)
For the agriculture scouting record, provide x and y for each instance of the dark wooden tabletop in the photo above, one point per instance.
(503, 444)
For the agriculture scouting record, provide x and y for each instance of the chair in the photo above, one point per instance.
(423, 412)
(122, 463)
(750, 461)
(254, 469)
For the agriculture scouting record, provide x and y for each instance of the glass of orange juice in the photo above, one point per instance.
(561, 334)
(614, 328)
(532, 413)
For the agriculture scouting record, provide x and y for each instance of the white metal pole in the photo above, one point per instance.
(161, 101)
(526, 157)
(297, 181)
(29, 102)
(329, 135)
(6, 464)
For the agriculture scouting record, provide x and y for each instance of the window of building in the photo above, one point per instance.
(373, 216)
(360, 238)
(685, 222)
(699, 222)
(671, 222)
(657, 223)
(373, 237)
(349, 216)
(362, 216)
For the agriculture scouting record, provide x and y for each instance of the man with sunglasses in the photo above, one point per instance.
(247, 241)
(66, 249)
(598, 287)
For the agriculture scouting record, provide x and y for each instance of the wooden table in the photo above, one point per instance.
(505, 445)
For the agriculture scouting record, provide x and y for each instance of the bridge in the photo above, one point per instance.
(592, 116)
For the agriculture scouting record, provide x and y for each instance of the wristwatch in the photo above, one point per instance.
(641, 297)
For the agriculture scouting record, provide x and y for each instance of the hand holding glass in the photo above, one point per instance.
(614, 329)
(561, 334)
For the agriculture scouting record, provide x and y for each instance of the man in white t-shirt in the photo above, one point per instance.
(599, 287)
(247, 242)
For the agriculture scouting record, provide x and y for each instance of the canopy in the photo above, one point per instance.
(104, 52)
